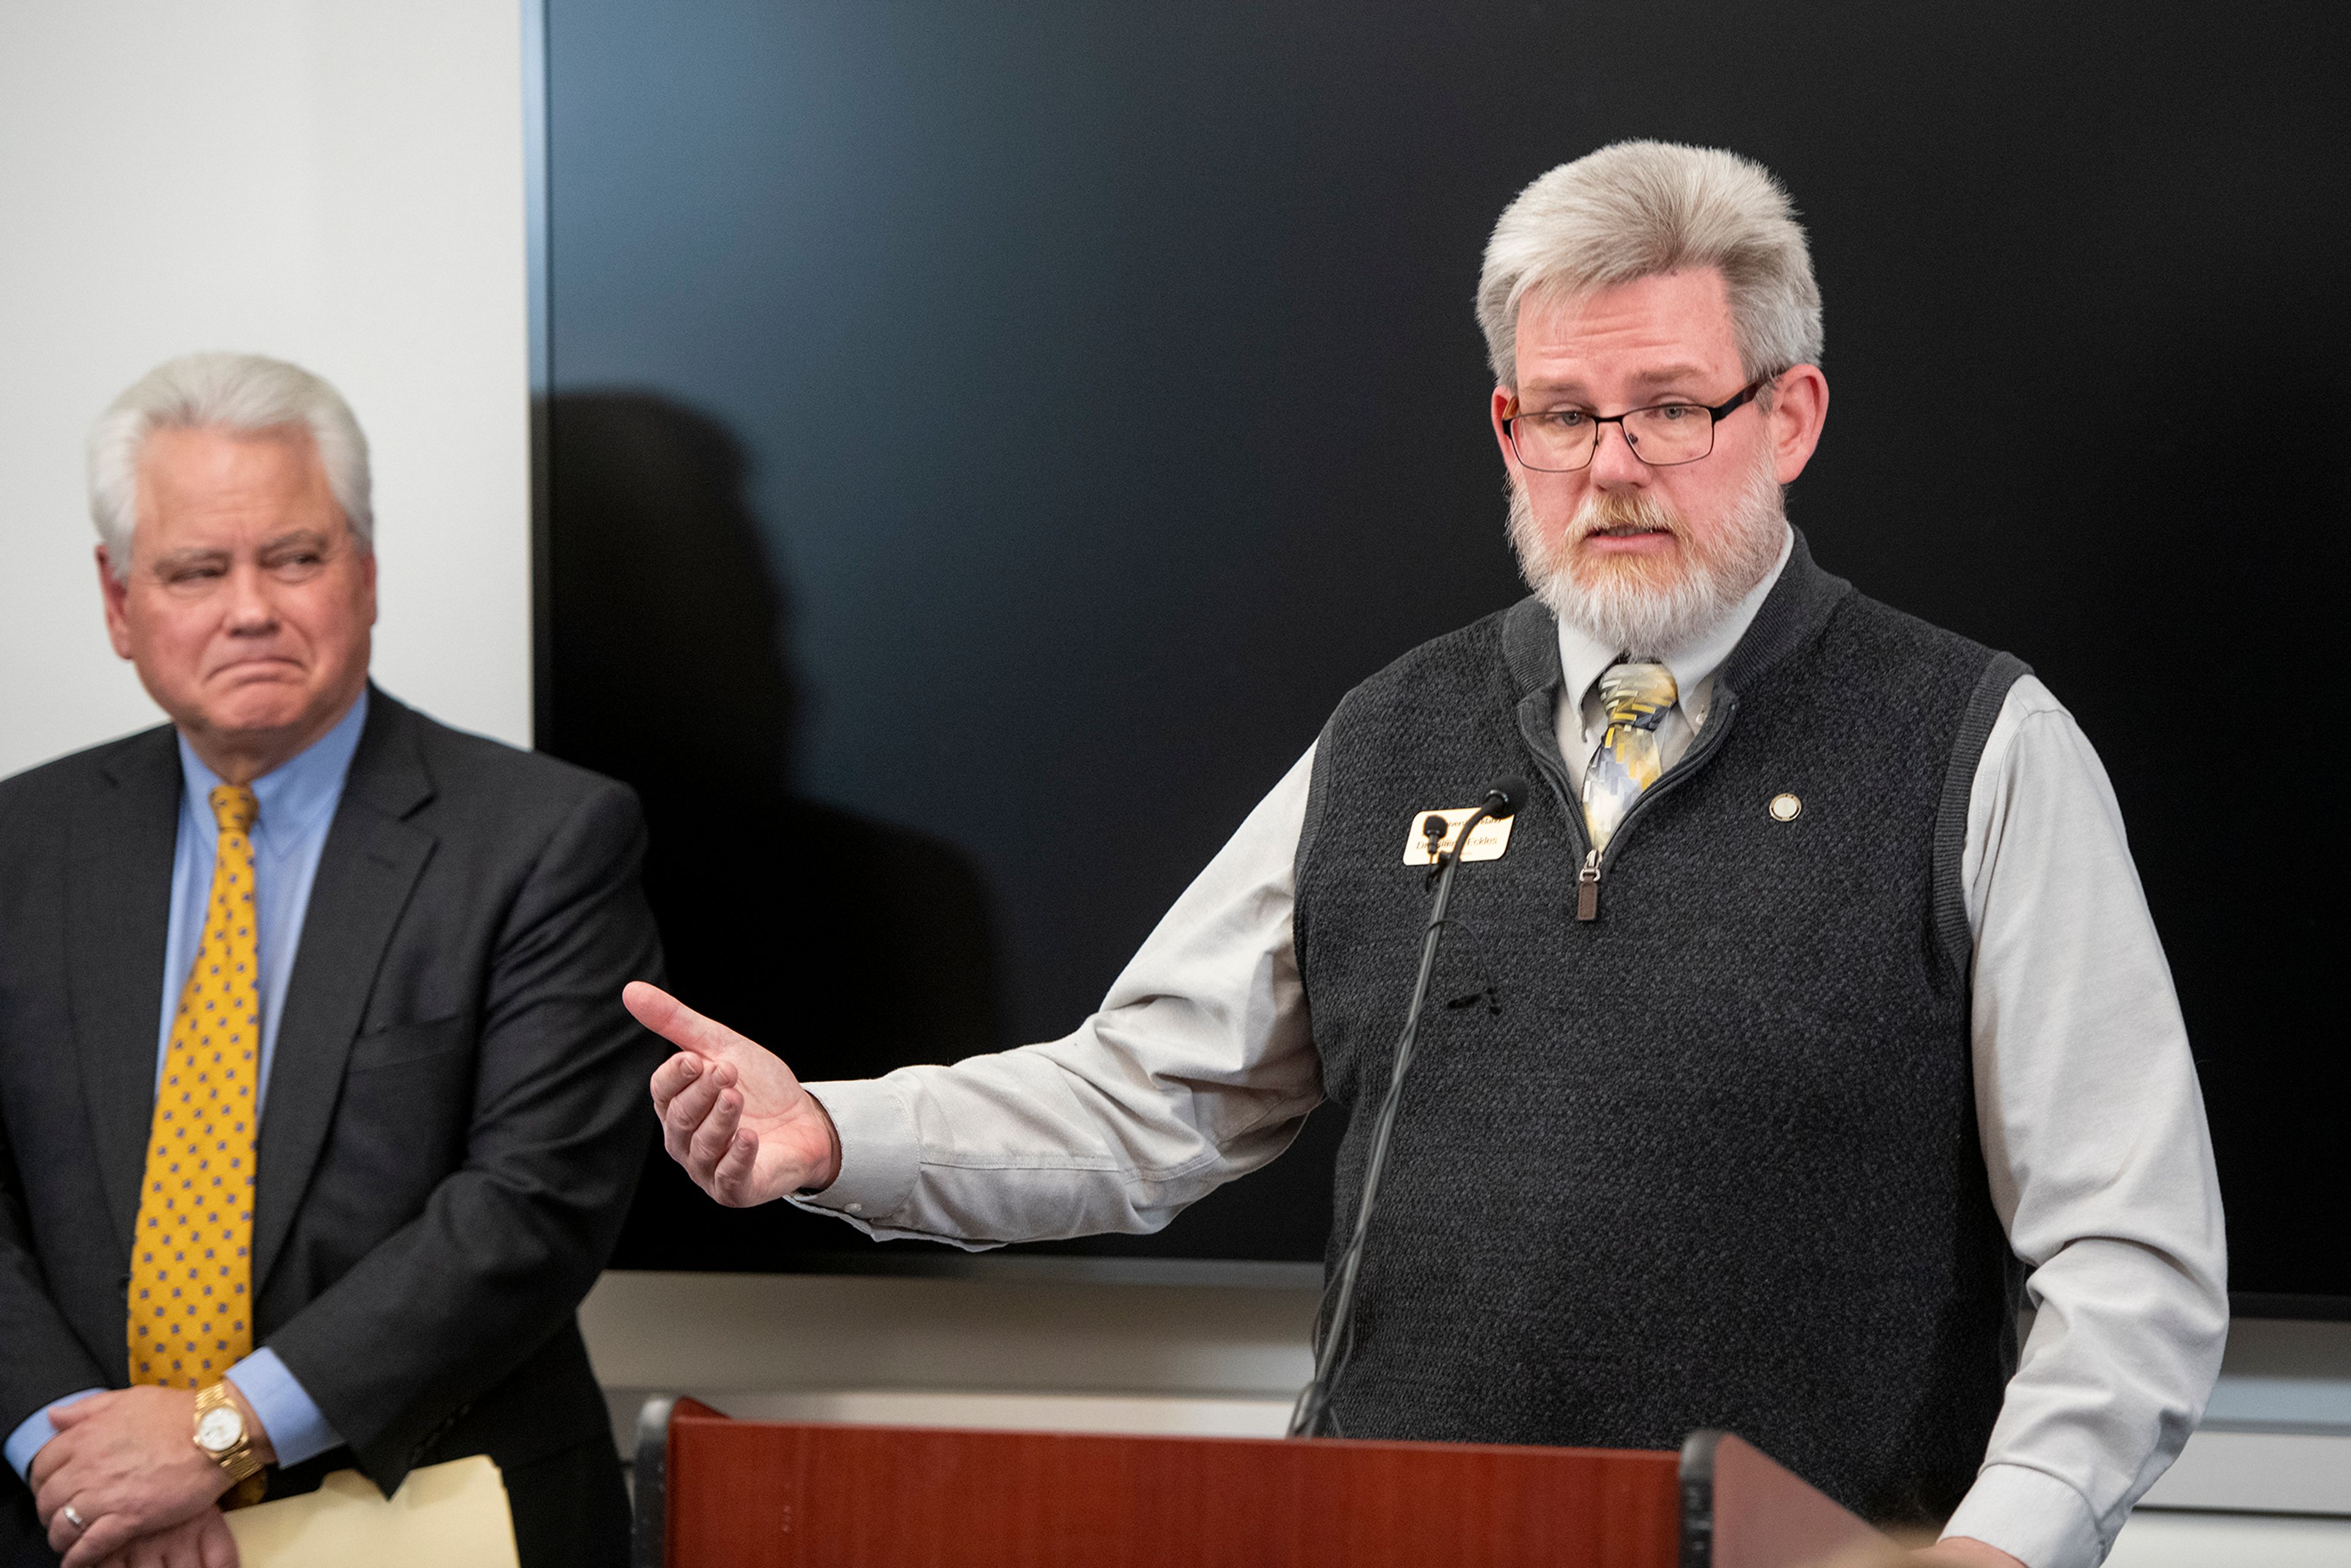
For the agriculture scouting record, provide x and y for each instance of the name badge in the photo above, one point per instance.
(1486, 844)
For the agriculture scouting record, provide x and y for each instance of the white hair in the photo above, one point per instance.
(1638, 209)
(240, 394)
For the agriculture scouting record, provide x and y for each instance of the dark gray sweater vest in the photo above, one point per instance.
(1711, 1158)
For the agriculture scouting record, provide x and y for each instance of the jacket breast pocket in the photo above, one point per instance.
(398, 1045)
(398, 1129)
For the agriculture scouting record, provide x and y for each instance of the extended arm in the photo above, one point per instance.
(2094, 1139)
(1198, 1068)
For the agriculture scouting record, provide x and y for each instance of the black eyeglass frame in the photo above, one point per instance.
(1715, 417)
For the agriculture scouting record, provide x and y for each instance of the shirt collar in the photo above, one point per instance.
(1582, 660)
(290, 798)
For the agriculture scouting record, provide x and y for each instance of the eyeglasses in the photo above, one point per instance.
(1661, 435)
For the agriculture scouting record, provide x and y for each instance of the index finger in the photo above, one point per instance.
(673, 1078)
(46, 1459)
(70, 1413)
(49, 1458)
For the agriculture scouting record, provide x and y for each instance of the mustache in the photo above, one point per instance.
(1605, 511)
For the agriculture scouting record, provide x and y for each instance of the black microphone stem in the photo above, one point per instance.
(1313, 1404)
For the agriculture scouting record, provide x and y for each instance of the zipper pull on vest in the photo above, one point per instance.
(1587, 887)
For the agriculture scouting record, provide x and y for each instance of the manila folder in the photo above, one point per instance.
(452, 1516)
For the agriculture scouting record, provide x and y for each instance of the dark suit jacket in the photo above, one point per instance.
(454, 1117)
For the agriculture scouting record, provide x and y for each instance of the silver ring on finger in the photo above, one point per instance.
(74, 1518)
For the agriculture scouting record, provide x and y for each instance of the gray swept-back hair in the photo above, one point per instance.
(244, 393)
(1636, 209)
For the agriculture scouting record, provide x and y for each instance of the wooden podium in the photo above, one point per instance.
(717, 1493)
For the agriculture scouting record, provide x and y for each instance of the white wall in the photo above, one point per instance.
(339, 184)
(1021, 1329)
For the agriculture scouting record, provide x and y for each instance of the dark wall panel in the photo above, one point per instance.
(988, 437)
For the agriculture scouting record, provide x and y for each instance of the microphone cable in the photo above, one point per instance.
(1312, 1412)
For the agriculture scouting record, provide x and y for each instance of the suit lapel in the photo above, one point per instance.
(118, 917)
(367, 869)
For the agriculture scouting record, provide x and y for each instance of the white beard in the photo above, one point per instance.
(1622, 601)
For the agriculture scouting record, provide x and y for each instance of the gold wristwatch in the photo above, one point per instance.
(221, 1435)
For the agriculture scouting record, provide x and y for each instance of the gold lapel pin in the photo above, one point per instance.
(1785, 808)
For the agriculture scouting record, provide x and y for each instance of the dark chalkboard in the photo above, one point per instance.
(987, 438)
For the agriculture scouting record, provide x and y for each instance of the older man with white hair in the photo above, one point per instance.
(316, 1099)
(1807, 1022)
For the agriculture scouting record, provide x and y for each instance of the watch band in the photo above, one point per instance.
(239, 1463)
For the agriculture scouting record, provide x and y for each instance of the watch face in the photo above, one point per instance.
(219, 1430)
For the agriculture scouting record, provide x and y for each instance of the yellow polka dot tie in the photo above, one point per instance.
(191, 1266)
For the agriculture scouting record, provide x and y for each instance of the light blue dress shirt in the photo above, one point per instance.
(295, 806)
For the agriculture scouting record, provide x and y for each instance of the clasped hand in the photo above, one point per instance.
(126, 1462)
(731, 1113)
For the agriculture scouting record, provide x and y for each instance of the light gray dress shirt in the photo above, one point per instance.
(1200, 1065)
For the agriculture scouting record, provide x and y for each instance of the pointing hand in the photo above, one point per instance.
(731, 1112)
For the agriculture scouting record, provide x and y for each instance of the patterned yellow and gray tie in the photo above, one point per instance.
(191, 1269)
(1637, 698)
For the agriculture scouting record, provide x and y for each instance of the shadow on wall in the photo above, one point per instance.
(849, 946)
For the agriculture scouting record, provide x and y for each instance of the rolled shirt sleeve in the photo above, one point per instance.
(1198, 1068)
(2094, 1140)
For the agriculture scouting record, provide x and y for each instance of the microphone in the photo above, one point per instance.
(1503, 798)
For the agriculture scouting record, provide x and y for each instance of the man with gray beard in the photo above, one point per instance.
(1821, 1021)
(1633, 604)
